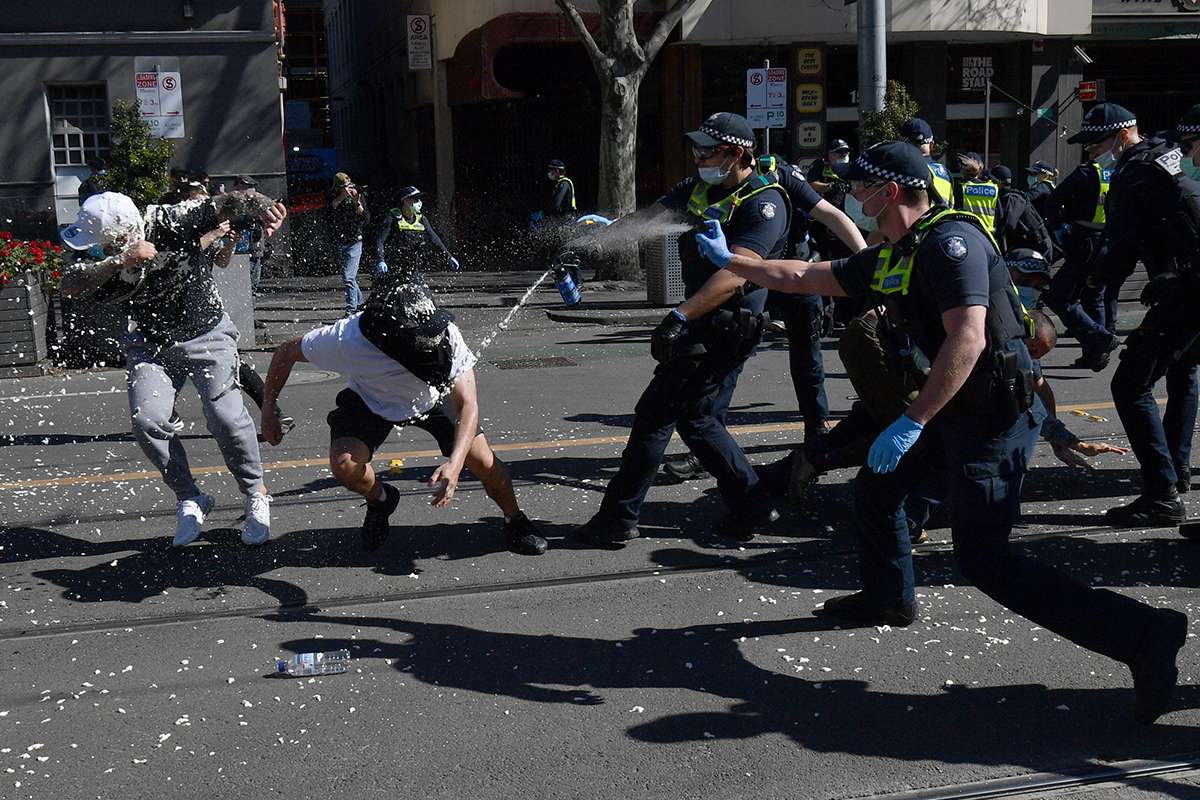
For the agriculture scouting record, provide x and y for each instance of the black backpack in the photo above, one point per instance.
(1018, 224)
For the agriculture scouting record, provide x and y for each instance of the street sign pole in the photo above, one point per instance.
(987, 121)
(767, 130)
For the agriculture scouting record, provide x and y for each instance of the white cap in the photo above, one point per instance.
(102, 219)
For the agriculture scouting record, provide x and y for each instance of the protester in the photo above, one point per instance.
(401, 356)
(156, 266)
(348, 218)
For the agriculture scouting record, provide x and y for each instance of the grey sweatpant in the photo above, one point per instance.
(156, 374)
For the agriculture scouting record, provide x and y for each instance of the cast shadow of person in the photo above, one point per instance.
(1011, 725)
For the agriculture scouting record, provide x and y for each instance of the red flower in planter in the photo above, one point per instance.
(6, 236)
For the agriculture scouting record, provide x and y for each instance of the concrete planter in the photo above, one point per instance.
(22, 323)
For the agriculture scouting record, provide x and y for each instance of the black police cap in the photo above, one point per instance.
(557, 163)
(839, 145)
(724, 127)
(1102, 121)
(407, 192)
(1189, 123)
(1027, 261)
(1002, 173)
(901, 162)
(1040, 168)
(917, 130)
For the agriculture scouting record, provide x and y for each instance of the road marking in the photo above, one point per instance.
(500, 447)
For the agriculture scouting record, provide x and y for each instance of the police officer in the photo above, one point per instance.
(1041, 183)
(947, 290)
(702, 345)
(918, 133)
(1018, 224)
(976, 192)
(802, 314)
(414, 241)
(561, 202)
(1149, 219)
(821, 174)
(1076, 211)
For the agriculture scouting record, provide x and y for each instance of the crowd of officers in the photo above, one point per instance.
(942, 349)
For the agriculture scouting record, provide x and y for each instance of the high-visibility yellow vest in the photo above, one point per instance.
(404, 225)
(979, 198)
(1103, 176)
(942, 183)
(569, 183)
(723, 209)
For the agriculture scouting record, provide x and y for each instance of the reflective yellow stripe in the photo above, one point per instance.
(416, 225)
(722, 210)
(1103, 177)
(942, 186)
(572, 185)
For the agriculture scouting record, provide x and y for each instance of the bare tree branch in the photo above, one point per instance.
(600, 61)
(662, 30)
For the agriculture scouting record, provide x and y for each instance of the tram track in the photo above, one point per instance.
(785, 555)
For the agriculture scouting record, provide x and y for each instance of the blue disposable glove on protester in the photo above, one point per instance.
(891, 445)
(712, 244)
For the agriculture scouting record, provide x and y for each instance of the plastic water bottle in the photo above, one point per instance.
(303, 664)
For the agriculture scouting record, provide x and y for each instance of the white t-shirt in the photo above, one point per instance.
(388, 389)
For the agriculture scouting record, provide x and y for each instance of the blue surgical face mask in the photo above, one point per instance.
(714, 175)
(96, 251)
(1030, 297)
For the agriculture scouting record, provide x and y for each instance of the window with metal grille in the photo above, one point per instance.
(78, 123)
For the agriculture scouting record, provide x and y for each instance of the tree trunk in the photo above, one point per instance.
(618, 167)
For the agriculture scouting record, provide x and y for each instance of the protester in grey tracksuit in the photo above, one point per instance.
(178, 330)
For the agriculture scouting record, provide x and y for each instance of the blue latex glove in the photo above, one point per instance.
(712, 244)
(534, 219)
(454, 265)
(893, 443)
(381, 267)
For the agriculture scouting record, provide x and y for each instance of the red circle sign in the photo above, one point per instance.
(756, 78)
(168, 83)
(417, 25)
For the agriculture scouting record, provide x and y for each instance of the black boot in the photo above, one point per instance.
(856, 608)
(375, 526)
(598, 530)
(743, 524)
(684, 469)
(1147, 512)
(523, 536)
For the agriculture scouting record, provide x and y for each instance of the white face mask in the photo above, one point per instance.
(856, 211)
(714, 175)
(417, 206)
(551, 175)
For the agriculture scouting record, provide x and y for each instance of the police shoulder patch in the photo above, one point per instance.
(796, 173)
(767, 209)
(955, 247)
(1170, 160)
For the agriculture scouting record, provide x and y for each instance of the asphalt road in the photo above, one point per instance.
(675, 667)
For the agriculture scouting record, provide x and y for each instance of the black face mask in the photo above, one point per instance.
(430, 364)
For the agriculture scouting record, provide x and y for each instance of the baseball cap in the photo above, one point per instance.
(1040, 168)
(1102, 121)
(838, 145)
(404, 312)
(1027, 261)
(917, 130)
(245, 180)
(901, 162)
(103, 218)
(724, 127)
(1002, 173)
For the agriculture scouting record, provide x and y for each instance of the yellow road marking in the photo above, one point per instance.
(552, 444)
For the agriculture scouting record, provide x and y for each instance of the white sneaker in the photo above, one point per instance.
(257, 529)
(189, 515)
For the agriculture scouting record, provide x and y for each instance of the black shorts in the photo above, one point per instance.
(354, 420)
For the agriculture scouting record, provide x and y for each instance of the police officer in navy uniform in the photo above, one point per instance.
(1148, 220)
(702, 345)
(802, 314)
(918, 133)
(415, 245)
(948, 292)
(1041, 184)
(1076, 210)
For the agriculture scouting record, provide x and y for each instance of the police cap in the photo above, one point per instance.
(1002, 174)
(724, 127)
(1189, 124)
(839, 146)
(1102, 121)
(556, 163)
(892, 161)
(1040, 168)
(917, 130)
(1027, 261)
(408, 192)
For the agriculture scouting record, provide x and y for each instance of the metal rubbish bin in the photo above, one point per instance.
(664, 271)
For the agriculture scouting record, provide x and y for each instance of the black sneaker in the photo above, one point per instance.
(856, 608)
(1146, 512)
(1183, 486)
(684, 469)
(286, 423)
(375, 526)
(744, 524)
(1099, 357)
(605, 532)
(523, 537)
(802, 475)
(1153, 668)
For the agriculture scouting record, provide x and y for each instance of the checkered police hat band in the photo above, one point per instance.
(1191, 127)
(1108, 127)
(887, 174)
(726, 137)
